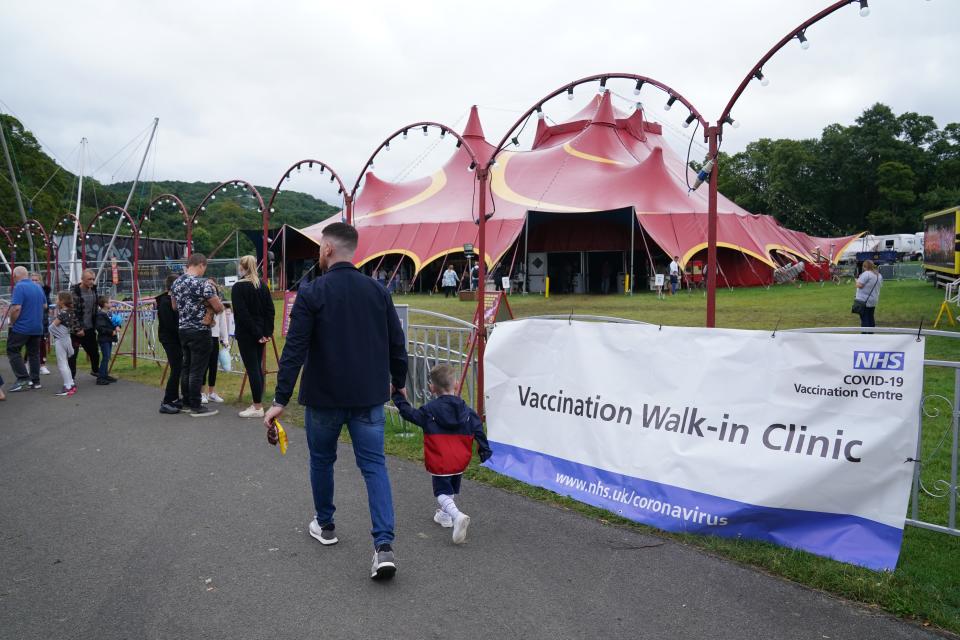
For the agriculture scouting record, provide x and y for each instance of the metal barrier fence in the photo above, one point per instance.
(445, 340)
(449, 341)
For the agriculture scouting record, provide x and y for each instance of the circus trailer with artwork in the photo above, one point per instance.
(941, 242)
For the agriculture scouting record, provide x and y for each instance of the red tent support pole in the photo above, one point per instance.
(483, 175)
(712, 133)
(348, 205)
(189, 238)
(266, 248)
(49, 249)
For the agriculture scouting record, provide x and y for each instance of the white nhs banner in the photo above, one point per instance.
(804, 440)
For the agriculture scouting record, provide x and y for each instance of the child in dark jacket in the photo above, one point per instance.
(106, 336)
(449, 430)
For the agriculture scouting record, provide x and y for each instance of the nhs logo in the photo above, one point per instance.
(891, 360)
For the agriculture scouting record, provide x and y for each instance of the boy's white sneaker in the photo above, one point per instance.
(215, 397)
(204, 399)
(460, 524)
(44, 371)
(442, 519)
(251, 412)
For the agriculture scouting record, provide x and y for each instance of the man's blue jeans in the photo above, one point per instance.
(366, 431)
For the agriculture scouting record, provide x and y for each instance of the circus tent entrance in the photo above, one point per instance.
(581, 252)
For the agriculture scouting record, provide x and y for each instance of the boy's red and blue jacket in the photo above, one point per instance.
(449, 429)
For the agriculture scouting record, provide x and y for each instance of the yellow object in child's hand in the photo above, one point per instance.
(281, 437)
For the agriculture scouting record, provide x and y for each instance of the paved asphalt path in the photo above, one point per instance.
(119, 522)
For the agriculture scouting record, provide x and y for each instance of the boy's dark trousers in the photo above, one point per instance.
(105, 349)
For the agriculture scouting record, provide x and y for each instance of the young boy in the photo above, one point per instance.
(449, 429)
(106, 336)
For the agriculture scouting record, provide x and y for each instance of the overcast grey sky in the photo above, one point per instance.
(243, 88)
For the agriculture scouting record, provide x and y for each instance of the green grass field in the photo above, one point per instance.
(926, 584)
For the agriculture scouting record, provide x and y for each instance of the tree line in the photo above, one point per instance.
(49, 191)
(880, 174)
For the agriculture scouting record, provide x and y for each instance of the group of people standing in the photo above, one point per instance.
(81, 319)
(192, 329)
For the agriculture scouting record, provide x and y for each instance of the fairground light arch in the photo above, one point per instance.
(223, 189)
(713, 135)
(511, 138)
(479, 166)
(325, 169)
(29, 228)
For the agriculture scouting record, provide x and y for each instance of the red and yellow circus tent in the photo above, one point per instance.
(601, 160)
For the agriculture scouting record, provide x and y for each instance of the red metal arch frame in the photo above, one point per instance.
(33, 225)
(674, 96)
(714, 134)
(424, 125)
(224, 188)
(268, 210)
(482, 175)
(166, 198)
(756, 72)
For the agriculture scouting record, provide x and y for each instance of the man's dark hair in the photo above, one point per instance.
(344, 235)
(171, 278)
(196, 259)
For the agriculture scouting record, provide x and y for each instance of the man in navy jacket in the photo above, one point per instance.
(345, 333)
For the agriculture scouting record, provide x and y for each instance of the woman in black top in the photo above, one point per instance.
(253, 315)
(168, 334)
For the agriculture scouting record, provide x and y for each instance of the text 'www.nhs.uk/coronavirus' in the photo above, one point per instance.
(630, 497)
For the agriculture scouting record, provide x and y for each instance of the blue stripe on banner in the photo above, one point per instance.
(842, 537)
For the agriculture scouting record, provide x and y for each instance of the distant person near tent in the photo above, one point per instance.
(450, 281)
(868, 294)
(674, 274)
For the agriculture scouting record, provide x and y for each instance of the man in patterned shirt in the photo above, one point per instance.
(191, 295)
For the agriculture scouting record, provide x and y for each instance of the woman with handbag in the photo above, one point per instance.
(253, 315)
(868, 294)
